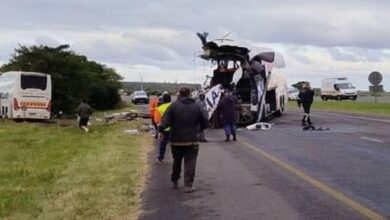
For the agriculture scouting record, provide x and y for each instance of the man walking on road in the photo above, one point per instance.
(305, 97)
(185, 118)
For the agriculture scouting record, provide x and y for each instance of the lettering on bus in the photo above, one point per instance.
(213, 96)
(212, 99)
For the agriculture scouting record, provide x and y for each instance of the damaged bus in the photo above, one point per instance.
(251, 75)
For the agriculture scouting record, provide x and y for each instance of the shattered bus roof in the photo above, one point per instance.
(212, 51)
(224, 52)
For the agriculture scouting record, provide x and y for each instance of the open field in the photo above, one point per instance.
(49, 171)
(363, 104)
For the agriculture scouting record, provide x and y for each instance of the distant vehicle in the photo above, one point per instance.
(139, 97)
(25, 95)
(251, 75)
(337, 88)
(293, 94)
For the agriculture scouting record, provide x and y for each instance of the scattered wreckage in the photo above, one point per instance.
(250, 74)
(125, 116)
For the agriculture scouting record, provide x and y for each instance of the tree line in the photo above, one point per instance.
(74, 77)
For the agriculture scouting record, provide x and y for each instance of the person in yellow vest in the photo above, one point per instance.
(159, 113)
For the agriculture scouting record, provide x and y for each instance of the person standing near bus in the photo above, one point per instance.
(152, 110)
(305, 98)
(202, 104)
(84, 111)
(159, 113)
(227, 107)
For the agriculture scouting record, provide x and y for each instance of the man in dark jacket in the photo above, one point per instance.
(305, 97)
(84, 111)
(185, 118)
(227, 107)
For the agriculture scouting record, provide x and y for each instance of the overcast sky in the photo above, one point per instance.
(157, 38)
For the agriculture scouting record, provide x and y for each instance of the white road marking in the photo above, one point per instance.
(356, 117)
(372, 139)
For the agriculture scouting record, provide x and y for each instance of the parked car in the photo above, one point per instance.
(293, 94)
(139, 97)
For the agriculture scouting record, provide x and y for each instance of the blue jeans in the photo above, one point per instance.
(230, 128)
(162, 146)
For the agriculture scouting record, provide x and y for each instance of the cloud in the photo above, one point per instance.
(46, 40)
(342, 55)
(329, 23)
(317, 38)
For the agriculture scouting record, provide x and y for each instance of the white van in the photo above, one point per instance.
(293, 94)
(337, 88)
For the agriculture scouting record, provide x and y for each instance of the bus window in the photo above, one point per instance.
(33, 82)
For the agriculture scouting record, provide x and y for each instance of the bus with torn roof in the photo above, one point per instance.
(25, 95)
(251, 74)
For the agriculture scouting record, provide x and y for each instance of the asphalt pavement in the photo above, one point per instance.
(284, 173)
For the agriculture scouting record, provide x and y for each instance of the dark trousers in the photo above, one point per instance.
(189, 153)
(154, 126)
(162, 146)
(83, 121)
(306, 117)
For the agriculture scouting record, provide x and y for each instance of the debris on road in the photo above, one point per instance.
(131, 131)
(125, 116)
(312, 128)
(259, 126)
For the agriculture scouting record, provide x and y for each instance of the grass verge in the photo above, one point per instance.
(53, 172)
(349, 106)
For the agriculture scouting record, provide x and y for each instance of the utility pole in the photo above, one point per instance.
(142, 85)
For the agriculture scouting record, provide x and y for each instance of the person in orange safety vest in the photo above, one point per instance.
(152, 109)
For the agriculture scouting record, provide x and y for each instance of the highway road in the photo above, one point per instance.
(284, 173)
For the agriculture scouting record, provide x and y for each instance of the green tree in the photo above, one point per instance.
(74, 77)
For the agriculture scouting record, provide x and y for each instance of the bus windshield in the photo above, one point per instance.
(33, 82)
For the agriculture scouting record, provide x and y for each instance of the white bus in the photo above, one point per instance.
(25, 95)
(252, 74)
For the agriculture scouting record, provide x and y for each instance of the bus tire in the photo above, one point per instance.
(281, 108)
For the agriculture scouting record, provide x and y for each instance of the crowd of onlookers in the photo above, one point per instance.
(182, 123)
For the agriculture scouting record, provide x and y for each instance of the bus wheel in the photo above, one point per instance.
(281, 108)
(324, 98)
(339, 98)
